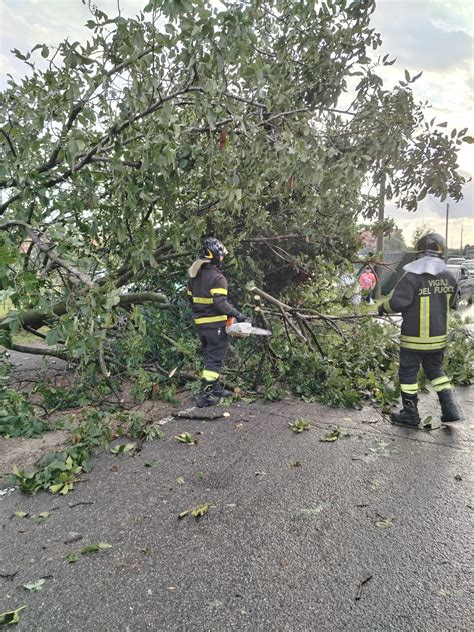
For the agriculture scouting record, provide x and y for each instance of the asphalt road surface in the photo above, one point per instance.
(371, 532)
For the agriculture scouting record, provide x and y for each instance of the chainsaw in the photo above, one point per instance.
(243, 330)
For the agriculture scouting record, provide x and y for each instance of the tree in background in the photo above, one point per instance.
(395, 241)
(423, 228)
(190, 120)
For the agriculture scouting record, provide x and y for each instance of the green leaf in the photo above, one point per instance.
(200, 510)
(334, 434)
(468, 139)
(59, 487)
(21, 514)
(43, 515)
(151, 463)
(72, 557)
(122, 447)
(12, 617)
(90, 548)
(384, 523)
(426, 422)
(300, 425)
(185, 437)
(20, 55)
(197, 512)
(53, 336)
(93, 548)
(35, 586)
(314, 511)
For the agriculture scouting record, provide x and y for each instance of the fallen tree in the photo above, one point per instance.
(118, 155)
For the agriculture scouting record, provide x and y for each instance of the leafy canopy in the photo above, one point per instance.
(188, 120)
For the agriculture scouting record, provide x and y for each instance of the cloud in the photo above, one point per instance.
(432, 206)
(32, 22)
(435, 36)
(433, 212)
(425, 34)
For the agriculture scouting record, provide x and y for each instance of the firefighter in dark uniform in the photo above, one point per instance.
(424, 296)
(207, 292)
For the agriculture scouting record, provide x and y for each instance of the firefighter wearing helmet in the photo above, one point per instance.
(207, 293)
(424, 297)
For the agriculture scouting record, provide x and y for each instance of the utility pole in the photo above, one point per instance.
(380, 217)
(446, 234)
(462, 230)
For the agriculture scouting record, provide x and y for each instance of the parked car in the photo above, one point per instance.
(469, 264)
(455, 261)
(465, 282)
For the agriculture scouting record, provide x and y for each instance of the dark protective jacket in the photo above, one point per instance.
(207, 293)
(424, 301)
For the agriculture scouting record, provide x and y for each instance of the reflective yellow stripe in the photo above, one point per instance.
(219, 290)
(190, 293)
(210, 376)
(448, 310)
(420, 340)
(202, 300)
(443, 387)
(409, 388)
(420, 346)
(210, 319)
(442, 383)
(440, 380)
(425, 317)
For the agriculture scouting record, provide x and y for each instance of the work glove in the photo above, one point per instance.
(240, 318)
(381, 310)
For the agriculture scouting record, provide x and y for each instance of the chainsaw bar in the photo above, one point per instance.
(258, 331)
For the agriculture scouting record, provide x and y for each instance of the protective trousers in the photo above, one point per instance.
(215, 344)
(432, 363)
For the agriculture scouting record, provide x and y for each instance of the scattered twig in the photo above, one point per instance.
(293, 326)
(198, 415)
(73, 538)
(9, 576)
(359, 588)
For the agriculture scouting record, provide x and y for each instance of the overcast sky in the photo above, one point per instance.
(435, 36)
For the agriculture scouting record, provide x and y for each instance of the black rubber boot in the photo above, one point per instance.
(206, 396)
(220, 391)
(449, 410)
(408, 416)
